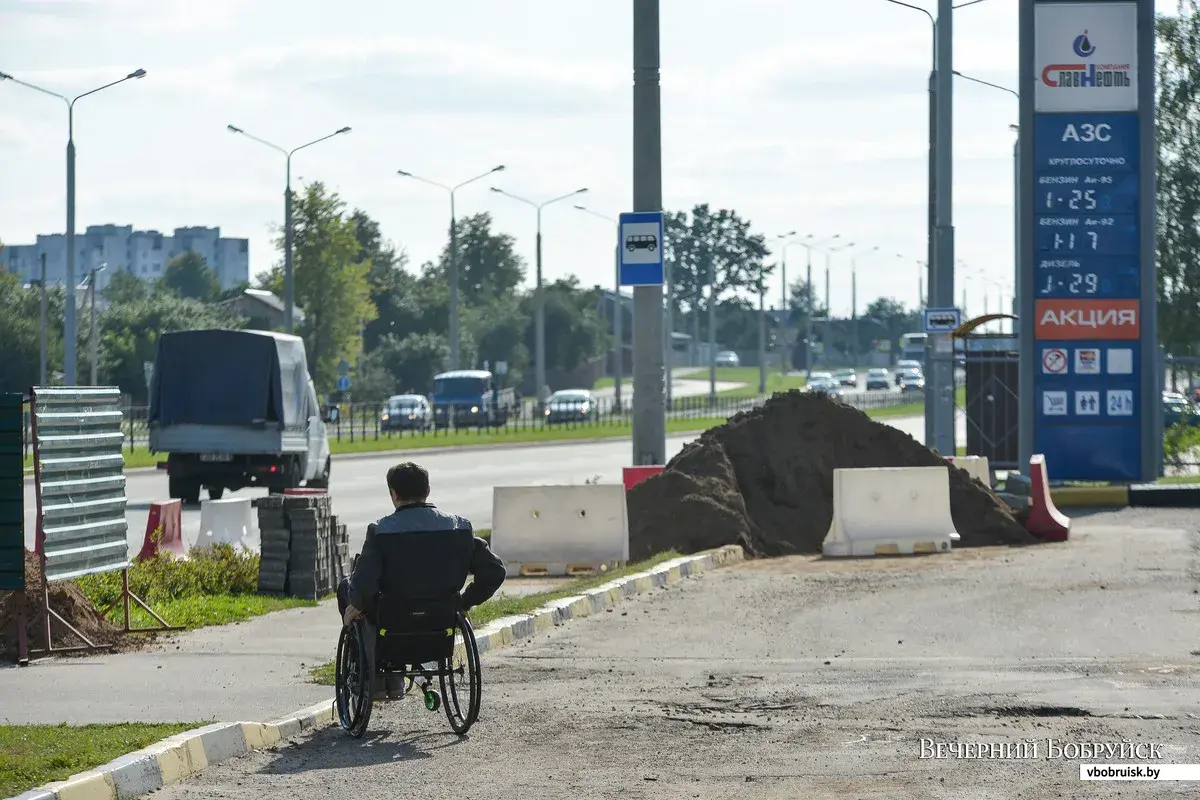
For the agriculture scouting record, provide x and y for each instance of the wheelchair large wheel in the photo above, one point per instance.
(354, 679)
(461, 679)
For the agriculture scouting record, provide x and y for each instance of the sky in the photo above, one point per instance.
(800, 115)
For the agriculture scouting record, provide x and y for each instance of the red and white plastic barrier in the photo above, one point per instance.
(1045, 521)
(632, 476)
(169, 515)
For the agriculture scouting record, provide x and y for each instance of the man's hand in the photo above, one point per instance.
(351, 614)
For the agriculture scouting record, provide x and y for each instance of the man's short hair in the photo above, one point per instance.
(409, 481)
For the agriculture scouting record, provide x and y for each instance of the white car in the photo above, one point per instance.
(727, 358)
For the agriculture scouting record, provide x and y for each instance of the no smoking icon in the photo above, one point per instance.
(1054, 361)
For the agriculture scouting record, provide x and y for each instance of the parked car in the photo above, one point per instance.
(571, 405)
(878, 379)
(406, 412)
(912, 382)
(846, 377)
(728, 358)
(1178, 410)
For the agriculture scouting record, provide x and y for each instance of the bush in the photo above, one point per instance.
(1180, 443)
(217, 570)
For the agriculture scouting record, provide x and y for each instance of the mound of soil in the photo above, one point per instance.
(764, 480)
(66, 599)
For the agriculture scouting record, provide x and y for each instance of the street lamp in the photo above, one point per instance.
(618, 310)
(452, 277)
(829, 252)
(540, 324)
(92, 338)
(809, 246)
(289, 293)
(921, 267)
(786, 306)
(69, 333)
(854, 300)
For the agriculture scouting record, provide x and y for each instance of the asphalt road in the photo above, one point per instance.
(462, 481)
(796, 678)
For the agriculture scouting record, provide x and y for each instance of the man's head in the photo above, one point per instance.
(408, 483)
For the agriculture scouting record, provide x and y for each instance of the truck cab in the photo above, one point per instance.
(470, 398)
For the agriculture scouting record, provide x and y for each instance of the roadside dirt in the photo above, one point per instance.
(764, 480)
(68, 601)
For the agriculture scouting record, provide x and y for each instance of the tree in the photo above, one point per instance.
(721, 239)
(20, 358)
(188, 275)
(331, 282)
(798, 303)
(412, 361)
(129, 334)
(488, 265)
(575, 332)
(1178, 198)
(498, 331)
(885, 319)
(124, 287)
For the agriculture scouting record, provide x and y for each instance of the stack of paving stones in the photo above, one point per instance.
(304, 548)
(276, 542)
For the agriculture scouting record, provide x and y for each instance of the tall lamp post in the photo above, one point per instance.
(618, 308)
(784, 297)
(540, 323)
(809, 246)
(854, 301)
(93, 342)
(69, 320)
(289, 290)
(829, 253)
(453, 275)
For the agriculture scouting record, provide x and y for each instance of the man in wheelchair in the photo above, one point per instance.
(417, 557)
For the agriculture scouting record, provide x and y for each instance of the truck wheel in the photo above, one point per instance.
(322, 480)
(175, 488)
(295, 474)
(216, 492)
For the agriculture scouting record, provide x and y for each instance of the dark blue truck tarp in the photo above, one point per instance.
(226, 377)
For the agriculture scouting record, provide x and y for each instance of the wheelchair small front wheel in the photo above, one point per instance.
(461, 679)
(354, 676)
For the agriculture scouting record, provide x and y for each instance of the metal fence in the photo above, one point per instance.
(361, 421)
(12, 496)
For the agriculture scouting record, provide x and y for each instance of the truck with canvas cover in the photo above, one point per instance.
(470, 398)
(234, 409)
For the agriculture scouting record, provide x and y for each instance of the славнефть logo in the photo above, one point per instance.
(1087, 76)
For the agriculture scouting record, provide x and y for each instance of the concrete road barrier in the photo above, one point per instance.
(226, 521)
(560, 530)
(976, 466)
(632, 476)
(890, 511)
(1045, 521)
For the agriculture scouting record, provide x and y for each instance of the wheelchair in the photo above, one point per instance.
(410, 641)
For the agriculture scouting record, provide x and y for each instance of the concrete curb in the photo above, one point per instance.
(1090, 496)
(185, 754)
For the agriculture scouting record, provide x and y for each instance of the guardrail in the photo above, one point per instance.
(359, 421)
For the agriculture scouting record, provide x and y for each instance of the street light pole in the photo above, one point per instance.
(70, 339)
(618, 308)
(808, 315)
(289, 292)
(92, 338)
(44, 331)
(539, 295)
(453, 267)
(854, 304)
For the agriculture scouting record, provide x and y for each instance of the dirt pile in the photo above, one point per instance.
(66, 599)
(764, 480)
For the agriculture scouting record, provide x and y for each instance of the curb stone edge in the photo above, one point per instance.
(186, 754)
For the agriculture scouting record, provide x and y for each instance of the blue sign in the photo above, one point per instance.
(1087, 268)
(343, 383)
(641, 246)
(942, 320)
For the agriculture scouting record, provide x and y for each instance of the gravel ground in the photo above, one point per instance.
(795, 678)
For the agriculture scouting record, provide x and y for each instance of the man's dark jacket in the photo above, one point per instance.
(421, 552)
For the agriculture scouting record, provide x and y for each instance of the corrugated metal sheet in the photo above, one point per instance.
(12, 495)
(80, 480)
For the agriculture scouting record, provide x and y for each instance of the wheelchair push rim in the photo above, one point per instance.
(353, 680)
(461, 680)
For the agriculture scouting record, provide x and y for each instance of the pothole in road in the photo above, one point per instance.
(1037, 711)
(734, 713)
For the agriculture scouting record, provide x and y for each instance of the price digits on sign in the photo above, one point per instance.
(1078, 283)
(1090, 240)
(1077, 200)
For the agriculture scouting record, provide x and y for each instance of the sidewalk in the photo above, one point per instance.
(253, 670)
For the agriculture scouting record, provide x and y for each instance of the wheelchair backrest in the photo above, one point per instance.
(424, 565)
